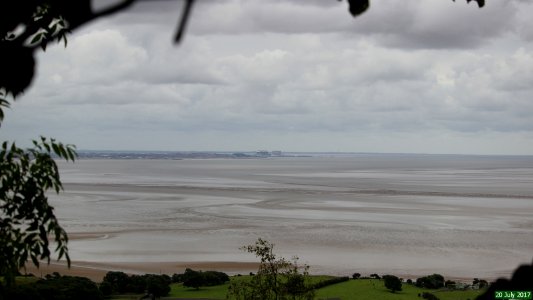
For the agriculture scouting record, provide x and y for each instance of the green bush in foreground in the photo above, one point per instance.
(277, 278)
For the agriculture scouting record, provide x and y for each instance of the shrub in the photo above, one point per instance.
(356, 275)
(330, 281)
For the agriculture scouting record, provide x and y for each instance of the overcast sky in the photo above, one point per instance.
(408, 76)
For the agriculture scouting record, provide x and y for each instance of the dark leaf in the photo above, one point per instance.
(358, 7)
(35, 260)
(36, 38)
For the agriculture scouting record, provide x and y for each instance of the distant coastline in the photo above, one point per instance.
(177, 155)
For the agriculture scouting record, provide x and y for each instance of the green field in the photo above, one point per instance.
(361, 289)
(371, 289)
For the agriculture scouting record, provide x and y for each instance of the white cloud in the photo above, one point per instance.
(408, 76)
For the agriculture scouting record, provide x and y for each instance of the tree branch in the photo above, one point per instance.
(183, 21)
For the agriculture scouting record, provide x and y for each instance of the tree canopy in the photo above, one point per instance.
(393, 283)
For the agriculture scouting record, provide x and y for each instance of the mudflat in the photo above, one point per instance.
(410, 215)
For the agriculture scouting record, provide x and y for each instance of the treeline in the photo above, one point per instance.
(52, 287)
(158, 285)
(196, 279)
(432, 282)
(57, 287)
(122, 283)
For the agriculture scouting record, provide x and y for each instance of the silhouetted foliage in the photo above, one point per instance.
(356, 275)
(43, 21)
(480, 3)
(375, 276)
(27, 218)
(393, 283)
(520, 281)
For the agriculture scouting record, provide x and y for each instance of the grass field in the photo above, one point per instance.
(361, 289)
(371, 289)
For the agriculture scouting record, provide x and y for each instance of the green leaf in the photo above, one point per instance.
(37, 38)
(27, 218)
(56, 149)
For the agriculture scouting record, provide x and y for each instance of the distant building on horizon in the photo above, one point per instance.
(262, 153)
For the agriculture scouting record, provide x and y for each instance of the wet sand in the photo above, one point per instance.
(462, 220)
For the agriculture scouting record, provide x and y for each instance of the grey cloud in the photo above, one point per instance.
(281, 71)
(406, 24)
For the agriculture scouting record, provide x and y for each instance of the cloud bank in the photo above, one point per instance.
(408, 76)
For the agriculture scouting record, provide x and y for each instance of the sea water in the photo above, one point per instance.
(462, 216)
